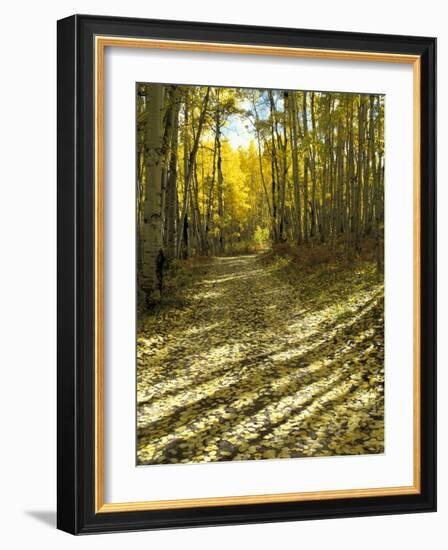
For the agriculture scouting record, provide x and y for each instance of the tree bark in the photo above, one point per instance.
(152, 234)
(295, 166)
(171, 191)
(189, 171)
(305, 169)
(220, 180)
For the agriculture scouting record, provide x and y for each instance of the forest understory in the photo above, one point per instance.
(275, 354)
(260, 248)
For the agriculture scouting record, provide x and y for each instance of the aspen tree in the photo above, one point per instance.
(152, 228)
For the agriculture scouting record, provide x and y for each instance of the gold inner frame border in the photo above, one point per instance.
(101, 42)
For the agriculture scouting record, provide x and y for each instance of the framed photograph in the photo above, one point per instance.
(246, 274)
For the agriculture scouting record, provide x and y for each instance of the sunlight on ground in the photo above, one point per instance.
(297, 374)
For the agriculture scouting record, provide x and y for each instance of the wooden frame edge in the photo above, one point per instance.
(254, 499)
(100, 43)
(99, 277)
(417, 270)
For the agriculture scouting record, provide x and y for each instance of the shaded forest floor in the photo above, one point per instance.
(262, 358)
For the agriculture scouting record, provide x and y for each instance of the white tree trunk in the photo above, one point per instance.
(171, 192)
(152, 230)
(295, 165)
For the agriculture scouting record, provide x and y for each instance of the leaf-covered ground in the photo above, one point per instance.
(256, 365)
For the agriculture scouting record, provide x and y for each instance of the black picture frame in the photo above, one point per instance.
(76, 255)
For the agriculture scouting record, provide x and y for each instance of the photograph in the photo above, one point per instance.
(259, 273)
(246, 271)
(219, 271)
